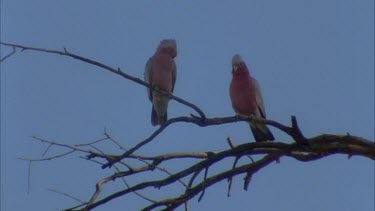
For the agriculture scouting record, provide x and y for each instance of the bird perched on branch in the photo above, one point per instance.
(247, 99)
(160, 73)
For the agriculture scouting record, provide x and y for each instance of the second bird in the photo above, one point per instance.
(247, 99)
(161, 73)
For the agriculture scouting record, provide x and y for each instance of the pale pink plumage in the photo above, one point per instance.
(247, 99)
(160, 73)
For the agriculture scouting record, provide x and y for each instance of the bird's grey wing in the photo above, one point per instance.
(174, 75)
(148, 77)
(259, 98)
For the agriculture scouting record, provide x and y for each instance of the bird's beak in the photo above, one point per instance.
(235, 68)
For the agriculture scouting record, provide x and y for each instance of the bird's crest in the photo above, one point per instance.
(168, 43)
(236, 60)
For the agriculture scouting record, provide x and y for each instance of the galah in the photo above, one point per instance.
(160, 73)
(247, 99)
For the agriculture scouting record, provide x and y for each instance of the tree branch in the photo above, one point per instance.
(319, 147)
(303, 149)
(212, 122)
(108, 68)
(8, 55)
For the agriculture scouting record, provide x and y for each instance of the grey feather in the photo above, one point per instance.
(174, 75)
(259, 98)
(148, 77)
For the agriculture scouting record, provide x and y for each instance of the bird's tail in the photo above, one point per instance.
(159, 108)
(154, 117)
(155, 120)
(261, 132)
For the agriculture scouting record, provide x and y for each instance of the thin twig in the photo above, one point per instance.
(247, 180)
(191, 181)
(45, 152)
(229, 140)
(66, 194)
(152, 165)
(9, 55)
(204, 184)
(48, 158)
(29, 178)
(91, 143)
(230, 179)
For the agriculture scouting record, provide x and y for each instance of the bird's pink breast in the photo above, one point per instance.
(242, 94)
(162, 71)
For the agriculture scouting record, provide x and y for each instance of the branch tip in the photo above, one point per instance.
(203, 184)
(247, 180)
(296, 132)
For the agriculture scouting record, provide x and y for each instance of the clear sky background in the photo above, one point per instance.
(313, 59)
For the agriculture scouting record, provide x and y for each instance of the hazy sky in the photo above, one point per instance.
(313, 59)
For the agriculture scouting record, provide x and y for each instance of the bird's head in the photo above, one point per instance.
(238, 64)
(168, 46)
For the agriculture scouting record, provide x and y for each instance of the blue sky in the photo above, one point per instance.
(313, 59)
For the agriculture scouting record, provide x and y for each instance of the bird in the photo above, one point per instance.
(160, 74)
(246, 98)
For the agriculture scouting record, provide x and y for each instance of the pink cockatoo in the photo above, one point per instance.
(247, 99)
(161, 73)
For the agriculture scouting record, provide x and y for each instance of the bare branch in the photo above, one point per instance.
(48, 158)
(332, 145)
(29, 177)
(135, 192)
(108, 68)
(9, 55)
(303, 149)
(171, 204)
(204, 184)
(247, 180)
(66, 194)
(204, 123)
(319, 147)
